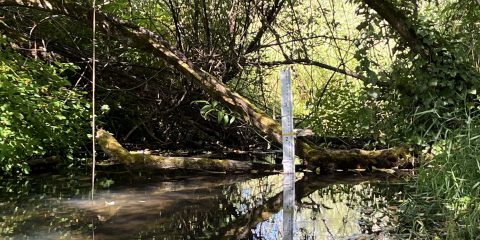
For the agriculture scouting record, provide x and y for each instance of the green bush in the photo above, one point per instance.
(351, 111)
(39, 113)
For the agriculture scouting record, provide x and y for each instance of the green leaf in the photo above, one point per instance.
(225, 119)
(206, 108)
(60, 117)
(220, 115)
(105, 108)
(201, 101)
(205, 114)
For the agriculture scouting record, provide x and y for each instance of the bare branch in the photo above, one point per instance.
(269, 19)
(312, 63)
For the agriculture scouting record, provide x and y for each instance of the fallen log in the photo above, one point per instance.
(141, 159)
(343, 159)
(328, 159)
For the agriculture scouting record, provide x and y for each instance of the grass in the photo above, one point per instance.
(446, 203)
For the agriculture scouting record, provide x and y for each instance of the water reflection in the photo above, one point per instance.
(241, 207)
(288, 206)
(341, 211)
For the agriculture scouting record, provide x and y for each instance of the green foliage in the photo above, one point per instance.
(346, 110)
(215, 110)
(443, 85)
(448, 190)
(429, 90)
(106, 182)
(39, 114)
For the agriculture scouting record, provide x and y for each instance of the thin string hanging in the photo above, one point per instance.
(94, 153)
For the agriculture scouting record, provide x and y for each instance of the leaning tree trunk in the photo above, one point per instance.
(399, 22)
(147, 41)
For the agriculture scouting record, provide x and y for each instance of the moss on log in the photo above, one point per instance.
(356, 158)
(351, 158)
(327, 159)
(115, 150)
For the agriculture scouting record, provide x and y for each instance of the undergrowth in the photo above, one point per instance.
(446, 203)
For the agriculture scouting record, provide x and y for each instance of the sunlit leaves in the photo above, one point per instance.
(212, 109)
(443, 80)
(39, 114)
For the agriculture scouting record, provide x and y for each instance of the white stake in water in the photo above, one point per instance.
(288, 141)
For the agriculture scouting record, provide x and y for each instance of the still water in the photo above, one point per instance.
(202, 207)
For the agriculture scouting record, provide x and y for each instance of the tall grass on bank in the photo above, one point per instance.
(447, 200)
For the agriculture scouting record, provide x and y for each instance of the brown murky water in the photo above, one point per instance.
(203, 207)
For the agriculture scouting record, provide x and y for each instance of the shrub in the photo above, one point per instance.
(39, 113)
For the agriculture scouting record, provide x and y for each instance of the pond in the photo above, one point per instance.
(342, 206)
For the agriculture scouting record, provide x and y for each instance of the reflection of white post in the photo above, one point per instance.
(288, 205)
(288, 141)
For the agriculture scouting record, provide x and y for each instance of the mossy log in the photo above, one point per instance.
(115, 150)
(336, 159)
(352, 158)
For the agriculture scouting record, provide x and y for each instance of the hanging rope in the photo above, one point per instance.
(93, 98)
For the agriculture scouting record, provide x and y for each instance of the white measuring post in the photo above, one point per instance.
(288, 136)
(288, 141)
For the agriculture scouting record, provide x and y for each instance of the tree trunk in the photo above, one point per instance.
(147, 41)
(399, 22)
(114, 149)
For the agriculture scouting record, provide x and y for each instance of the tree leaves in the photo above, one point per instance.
(39, 113)
(212, 109)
